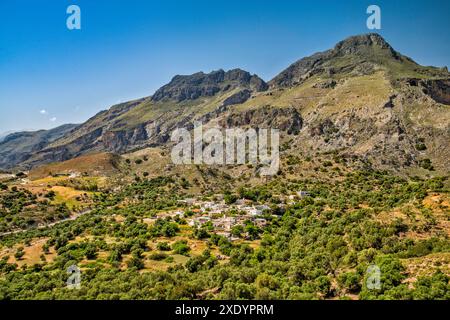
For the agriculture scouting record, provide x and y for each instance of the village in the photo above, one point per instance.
(223, 217)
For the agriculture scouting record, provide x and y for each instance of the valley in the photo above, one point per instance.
(363, 180)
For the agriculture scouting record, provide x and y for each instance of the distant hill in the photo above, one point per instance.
(18, 147)
(100, 164)
(3, 135)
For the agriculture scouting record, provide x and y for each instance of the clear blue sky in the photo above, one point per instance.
(127, 49)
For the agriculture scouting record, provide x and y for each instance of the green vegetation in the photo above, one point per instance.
(310, 232)
(319, 247)
(21, 209)
(426, 164)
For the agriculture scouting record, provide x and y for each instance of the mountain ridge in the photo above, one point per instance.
(368, 52)
(314, 97)
(200, 84)
(18, 147)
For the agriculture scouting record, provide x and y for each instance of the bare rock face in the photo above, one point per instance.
(285, 119)
(238, 98)
(381, 137)
(118, 141)
(206, 85)
(438, 90)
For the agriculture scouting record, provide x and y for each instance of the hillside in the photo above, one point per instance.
(99, 164)
(363, 182)
(357, 55)
(18, 147)
(150, 121)
(361, 98)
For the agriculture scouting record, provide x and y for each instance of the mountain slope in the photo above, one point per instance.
(149, 121)
(357, 55)
(3, 135)
(360, 99)
(364, 99)
(18, 147)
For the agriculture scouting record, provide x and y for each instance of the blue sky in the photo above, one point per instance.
(128, 49)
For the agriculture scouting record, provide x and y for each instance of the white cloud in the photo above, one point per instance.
(43, 111)
(53, 119)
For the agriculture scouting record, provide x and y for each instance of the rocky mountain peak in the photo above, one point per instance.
(352, 44)
(149, 121)
(361, 52)
(361, 43)
(200, 84)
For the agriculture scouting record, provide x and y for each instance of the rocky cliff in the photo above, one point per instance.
(361, 98)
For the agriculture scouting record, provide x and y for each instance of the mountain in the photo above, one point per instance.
(198, 85)
(359, 99)
(358, 55)
(362, 190)
(17, 147)
(4, 135)
(149, 121)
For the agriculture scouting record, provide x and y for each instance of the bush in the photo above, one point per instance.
(230, 198)
(426, 164)
(163, 246)
(19, 253)
(435, 287)
(136, 262)
(181, 247)
(421, 147)
(91, 251)
(201, 233)
(350, 281)
(158, 256)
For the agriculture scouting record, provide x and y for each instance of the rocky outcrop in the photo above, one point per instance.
(358, 45)
(357, 55)
(286, 119)
(198, 85)
(118, 141)
(438, 90)
(237, 98)
(326, 84)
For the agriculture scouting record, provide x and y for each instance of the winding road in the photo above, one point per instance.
(71, 218)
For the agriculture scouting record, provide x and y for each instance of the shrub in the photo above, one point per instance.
(181, 247)
(19, 253)
(421, 147)
(158, 256)
(426, 164)
(163, 246)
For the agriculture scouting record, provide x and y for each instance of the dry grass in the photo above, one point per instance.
(68, 196)
(32, 254)
(427, 265)
(438, 210)
(100, 164)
